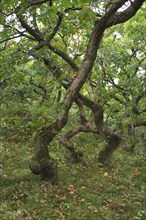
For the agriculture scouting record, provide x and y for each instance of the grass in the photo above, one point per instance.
(87, 191)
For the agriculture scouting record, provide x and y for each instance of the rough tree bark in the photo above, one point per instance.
(45, 166)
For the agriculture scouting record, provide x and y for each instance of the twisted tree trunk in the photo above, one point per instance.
(43, 136)
(45, 166)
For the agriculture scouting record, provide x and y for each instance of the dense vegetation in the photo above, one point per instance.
(73, 109)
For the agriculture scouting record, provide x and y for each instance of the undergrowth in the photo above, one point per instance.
(86, 191)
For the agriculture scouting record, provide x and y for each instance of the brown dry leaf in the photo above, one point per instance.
(83, 187)
(105, 174)
(57, 196)
(37, 210)
(18, 202)
(5, 177)
(107, 202)
(60, 198)
(71, 189)
(92, 207)
(94, 211)
(137, 173)
(135, 218)
(42, 201)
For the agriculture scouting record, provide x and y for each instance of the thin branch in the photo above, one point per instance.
(39, 3)
(61, 53)
(4, 47)
(22, 33)
(111, 81)
(56, 28)
(67, 10)
(139, 63)
(64, 56)
(10, 38)
(116, 98)
(39, 86)
(35, 33)
(140, 96)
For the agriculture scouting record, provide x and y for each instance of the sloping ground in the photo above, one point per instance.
(87, 191)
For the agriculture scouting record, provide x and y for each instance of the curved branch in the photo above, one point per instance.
(10, 38)
(119, 100)
(121, 17)
(64, 57)
(140, 96)
(65, 140)
(35, 33)
(4, 47)
(67, 10)
(40, 3)
(56, 28)
(111, 11)
(60, 53)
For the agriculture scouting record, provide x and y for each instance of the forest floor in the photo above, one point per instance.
(86, 191)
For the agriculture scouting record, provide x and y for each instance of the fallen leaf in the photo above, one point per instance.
(18, 202)
(137, 173)
(60, 198)
(105, 174)
(5, 176)
(94, 211)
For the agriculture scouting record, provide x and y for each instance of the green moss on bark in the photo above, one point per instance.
(42, 164)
